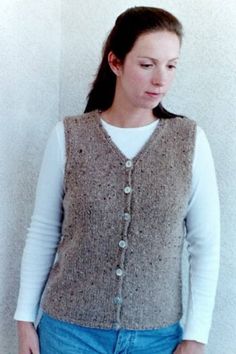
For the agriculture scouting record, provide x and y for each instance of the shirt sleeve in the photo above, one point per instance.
(45, 229)
(203, 242)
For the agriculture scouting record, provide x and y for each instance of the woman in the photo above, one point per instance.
(127, 185)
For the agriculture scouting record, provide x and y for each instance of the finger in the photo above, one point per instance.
(176, 350)
(35, 349)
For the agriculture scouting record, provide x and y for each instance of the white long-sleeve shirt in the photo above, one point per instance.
(202, 224)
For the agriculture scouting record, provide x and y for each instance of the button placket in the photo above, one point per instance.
(123, 244)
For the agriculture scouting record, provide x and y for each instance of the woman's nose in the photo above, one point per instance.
(159, 78)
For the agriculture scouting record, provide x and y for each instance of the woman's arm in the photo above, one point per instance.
(41, 243)
(44, 231)
(203, 237)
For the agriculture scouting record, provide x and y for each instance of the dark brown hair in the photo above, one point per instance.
(128, 27)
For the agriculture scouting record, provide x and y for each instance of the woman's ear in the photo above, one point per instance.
(114, 63)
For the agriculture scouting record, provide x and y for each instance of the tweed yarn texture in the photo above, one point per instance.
(119, 259)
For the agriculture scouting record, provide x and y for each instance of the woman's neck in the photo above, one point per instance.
(128, 118)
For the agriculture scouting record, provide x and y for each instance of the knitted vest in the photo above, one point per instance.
(119, 259)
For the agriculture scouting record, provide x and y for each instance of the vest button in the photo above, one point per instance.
(116, 325)
(118, 300)
(127, 189)
(122, 244)
(119, 272)
(128, 163)
(127, 216)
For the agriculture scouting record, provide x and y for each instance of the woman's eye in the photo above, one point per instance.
(146, 66)
(171, 67)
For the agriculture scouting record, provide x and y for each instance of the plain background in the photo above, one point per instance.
(49, 55)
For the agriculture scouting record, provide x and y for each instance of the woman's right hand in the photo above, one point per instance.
(27, 338)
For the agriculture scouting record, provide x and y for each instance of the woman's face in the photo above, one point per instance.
(148, 70)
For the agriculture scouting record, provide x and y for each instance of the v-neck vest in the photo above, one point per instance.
(119, 259)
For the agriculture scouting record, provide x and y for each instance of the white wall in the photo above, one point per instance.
(49, 54)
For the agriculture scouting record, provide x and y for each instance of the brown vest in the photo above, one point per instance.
(119, 260)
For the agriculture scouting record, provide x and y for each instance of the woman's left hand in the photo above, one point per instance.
(190, 347)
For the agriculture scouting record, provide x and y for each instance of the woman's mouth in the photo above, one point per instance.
(153, 94)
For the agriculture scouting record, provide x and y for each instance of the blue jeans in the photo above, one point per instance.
(59, 337)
